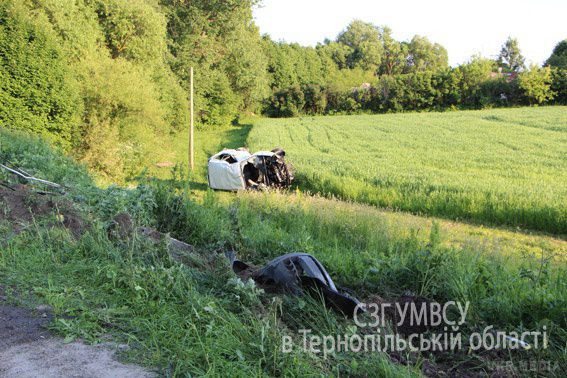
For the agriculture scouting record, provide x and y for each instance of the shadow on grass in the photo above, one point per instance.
(235, 137)
(198, 186)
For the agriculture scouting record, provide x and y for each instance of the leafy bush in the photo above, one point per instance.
(36, 92)
(315, 99)
(286, 103)
(559, 85)
(497, 92)
(99, 83)
(536, 84)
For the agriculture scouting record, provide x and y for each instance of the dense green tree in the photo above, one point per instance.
(363, 39)
(287, 102)
(558, 57)
(294, 65)
(394, 55)
(536, 84)
(425, 56)
(448, 94)
(338, 52)
(308, 64)
(559, 85)
(130, 102)
(388, 94)
(133, 29)
(246, 66)
(36, 94)
(510, 57)
(281, 66)
(328, 65)
(472, 75)
(219, 39)
(315, 99)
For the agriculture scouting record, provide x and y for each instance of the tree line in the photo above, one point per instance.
(107, 80)
(365, 69)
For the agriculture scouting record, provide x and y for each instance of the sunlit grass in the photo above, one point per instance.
(199, 320)
(497, 167)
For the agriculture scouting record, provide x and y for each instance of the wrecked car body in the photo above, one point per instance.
(238, 169)
(296, 274)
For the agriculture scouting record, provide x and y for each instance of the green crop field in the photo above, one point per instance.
(497, 167)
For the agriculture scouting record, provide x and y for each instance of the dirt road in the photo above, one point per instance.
(27, 349)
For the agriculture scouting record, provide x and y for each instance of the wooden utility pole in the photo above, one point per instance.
(191, 140)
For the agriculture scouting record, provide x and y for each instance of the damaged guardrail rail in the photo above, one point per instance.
(25, 176)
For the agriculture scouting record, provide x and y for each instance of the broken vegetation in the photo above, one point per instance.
(123, 277)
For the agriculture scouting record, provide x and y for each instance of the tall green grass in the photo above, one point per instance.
(497, 167)
(371, 254)
(38, 158)
(200, 320)
(182, 320)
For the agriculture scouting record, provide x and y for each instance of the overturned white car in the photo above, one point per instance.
(238, 169)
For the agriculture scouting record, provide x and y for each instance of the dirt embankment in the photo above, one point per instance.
(28, 349)
(21, 206)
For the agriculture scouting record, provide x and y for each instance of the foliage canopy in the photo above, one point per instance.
(108, 80)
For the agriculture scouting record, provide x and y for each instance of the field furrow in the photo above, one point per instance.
(498, 167)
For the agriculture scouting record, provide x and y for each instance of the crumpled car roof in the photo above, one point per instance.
(239, 155)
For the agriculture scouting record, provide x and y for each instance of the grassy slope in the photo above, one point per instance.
(199, 319)
(503, 167)
(194, 319)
